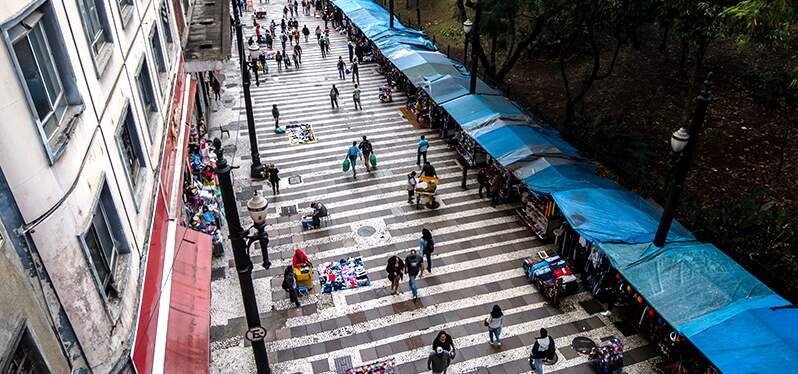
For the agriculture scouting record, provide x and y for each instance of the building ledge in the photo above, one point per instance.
(208, 36)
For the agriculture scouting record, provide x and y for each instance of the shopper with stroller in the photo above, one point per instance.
(395, 270)
(426, 247)
(494, 325)
(413, 267)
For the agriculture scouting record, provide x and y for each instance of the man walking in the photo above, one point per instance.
(341, 68)
(298, 52)
(438, 362)
(366, 149)
(542, 350)
(351, 46)
(352, 154)
(356, 98)
(306, 32)
(322, 41)
(412, 267)
(423, 146)
(276, 115)
(355, 72)
(334, 97)
(484, 181)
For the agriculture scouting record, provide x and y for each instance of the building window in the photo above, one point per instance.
(167, 31)
(125, 11)
(46, 75)
(131, 150)
(104, 244)
(98, 31)
(25, 357)
(147, 95)
(157, 51)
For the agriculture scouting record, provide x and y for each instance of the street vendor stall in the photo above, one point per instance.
(427, 187)
(540, 214)
(300, 134)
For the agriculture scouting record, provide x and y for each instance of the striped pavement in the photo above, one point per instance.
(478, 255)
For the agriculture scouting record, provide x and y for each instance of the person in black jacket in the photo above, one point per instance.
(445, 341)
(289, 285)
(276, 115)
(542, 350)
(274, 178)
(366, 149)
(484, 181)
(395, 269)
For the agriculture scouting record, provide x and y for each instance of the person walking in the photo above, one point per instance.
(366, 149)
(285, 11)
(283, 40)
(395, 269)
(269, 40)
(438, 361)
(423, 146)
(286, 60)
(351, 47)
(276, 115)
(496, 185)
(274, 179)
(355, 72)
(318, 32)
(295, 56)
(445, 341)
(216, 87)
(484, 181)
(334, 97)
(253, 64)
(494, 324)
(426, 246)
(289, 285)
(296, 8)
(341, 68)
(356, 98)
(278, 57)
(411, 186)
(413, 264)
(298, 52)
(542, 349)
(306, 32)
(322, 41)
(353, 154)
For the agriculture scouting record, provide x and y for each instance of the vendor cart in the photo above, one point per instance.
(260, 12)
(427, 187)
(304, 278)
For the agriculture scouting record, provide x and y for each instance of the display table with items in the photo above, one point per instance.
(540, 214)
(427, 187)
(344, 274)
(300, 134)
(608, 356)
(551, 275)
(381, 367)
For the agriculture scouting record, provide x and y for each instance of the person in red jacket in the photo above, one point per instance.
(300, 259)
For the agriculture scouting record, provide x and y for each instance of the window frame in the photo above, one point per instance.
(54, 145)
(121, 245)
(163, 15)
(135, 183)
(102, 56)
(158, 51)
(153, 112)
(125, 11)
(20, 332)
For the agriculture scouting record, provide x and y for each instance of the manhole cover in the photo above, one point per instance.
(583, 344)
(551, 361)
(294, 179)
(288, 210)
(366, 231)
(342, 364)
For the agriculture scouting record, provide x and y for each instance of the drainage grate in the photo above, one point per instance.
(288, 210)
(583, 344)
(366, 231)
(295, 179)
(342, 364)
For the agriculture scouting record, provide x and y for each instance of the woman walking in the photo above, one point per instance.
(276, 115)
(395, 271)
(494, 324)
(411, 186)
(426, 245)
(274, 179)
(444, 341)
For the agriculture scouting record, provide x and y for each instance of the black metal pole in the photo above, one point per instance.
(418, 15)
(242, 261)
(390, 12)
(465, 51)
(683, 163)
(256, 168)
(474, 49)
(263, 240)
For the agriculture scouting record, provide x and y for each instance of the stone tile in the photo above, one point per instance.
(320, 366)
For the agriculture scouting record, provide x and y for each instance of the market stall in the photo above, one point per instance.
(344, 274)
(300, 134)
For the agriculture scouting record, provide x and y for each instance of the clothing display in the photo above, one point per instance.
(540, 214)
(608, 356)
(300, 134)
(380, 367)
(344, 274)
(202, 198)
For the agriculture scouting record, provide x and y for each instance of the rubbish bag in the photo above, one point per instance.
(373, 160)
(279, 130)
(346, 164)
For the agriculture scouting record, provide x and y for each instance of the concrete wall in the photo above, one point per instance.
(103, 328)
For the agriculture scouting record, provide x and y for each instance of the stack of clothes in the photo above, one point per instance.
(300, 134)
(383, 367)
(344, 274)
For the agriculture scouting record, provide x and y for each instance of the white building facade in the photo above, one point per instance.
(87, 104)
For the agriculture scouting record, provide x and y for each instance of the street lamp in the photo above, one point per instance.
(256, 169)
(683, 143)
(474, 45)
(390, 12)
(240, 240)
(467, 25)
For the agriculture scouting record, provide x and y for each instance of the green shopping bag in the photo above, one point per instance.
(373, 160)
(346, 164)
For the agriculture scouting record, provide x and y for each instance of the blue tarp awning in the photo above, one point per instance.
(692, 285)
(552, 174)
(512, 141)
(471, 111)
(614, 216)
(757, 340)
(449, 87)
(421, 66)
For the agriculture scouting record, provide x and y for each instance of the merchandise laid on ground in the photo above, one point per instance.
(554, 244)
(300, 134)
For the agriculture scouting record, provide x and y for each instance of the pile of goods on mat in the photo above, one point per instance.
(344, 274)
(382, 367)
(300, 134)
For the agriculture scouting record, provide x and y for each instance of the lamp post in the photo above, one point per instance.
(467, 25)
(256, 169)
(683, 143)
(390, 12)
(241, 241)
(474, 47)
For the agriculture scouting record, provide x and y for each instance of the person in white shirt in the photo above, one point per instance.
(494, 324)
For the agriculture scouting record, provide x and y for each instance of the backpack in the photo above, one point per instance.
(333, 94)
(430, 247)
(366, 146)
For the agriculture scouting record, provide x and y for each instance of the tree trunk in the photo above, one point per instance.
(493, 41)
(683, 51)
(522, 46)
(461, 11)
(663, 44)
